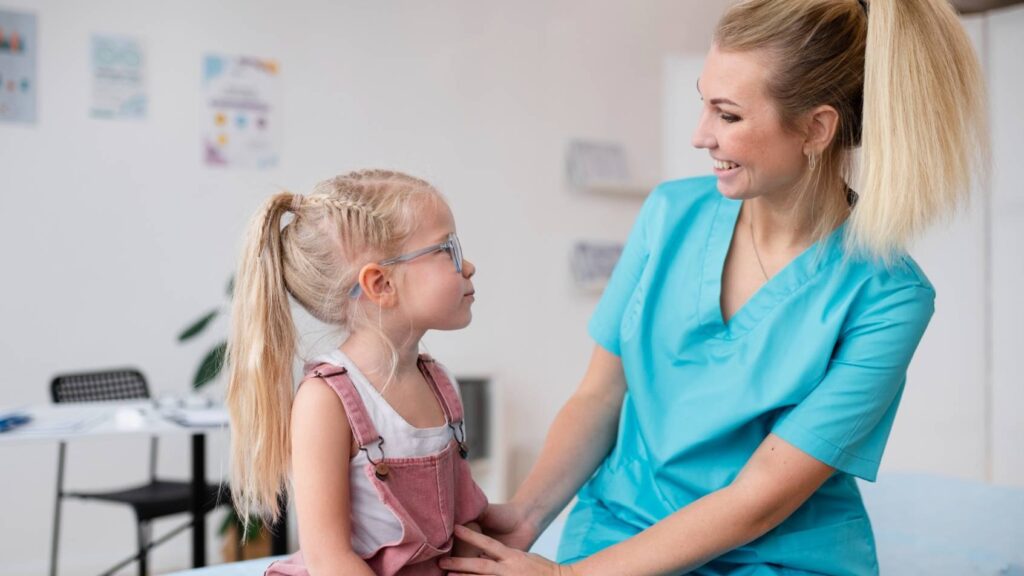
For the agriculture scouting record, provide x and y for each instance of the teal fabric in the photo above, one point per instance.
(818, 356)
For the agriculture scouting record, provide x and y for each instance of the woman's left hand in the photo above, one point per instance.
(500, 560)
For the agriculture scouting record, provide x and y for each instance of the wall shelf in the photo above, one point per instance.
(618, 188)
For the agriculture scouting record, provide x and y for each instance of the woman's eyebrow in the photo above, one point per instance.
(716, 101)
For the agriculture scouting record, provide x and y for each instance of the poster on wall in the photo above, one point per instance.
(18, 51)
(241, 126)
(118, 78)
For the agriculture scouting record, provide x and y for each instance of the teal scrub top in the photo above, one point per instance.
(818, 356)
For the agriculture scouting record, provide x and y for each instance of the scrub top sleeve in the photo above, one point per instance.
(845, 421)
(607, 319)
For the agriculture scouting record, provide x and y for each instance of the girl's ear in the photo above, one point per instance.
(821, 126)
(376, 284)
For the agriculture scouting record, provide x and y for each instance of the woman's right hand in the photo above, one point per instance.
(579, 439)
(508, 524)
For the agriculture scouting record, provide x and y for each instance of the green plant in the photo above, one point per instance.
(248, 533)
(213, 362)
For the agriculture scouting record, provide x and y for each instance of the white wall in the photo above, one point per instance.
(1005, 44)
(961, 412)
(115, 235)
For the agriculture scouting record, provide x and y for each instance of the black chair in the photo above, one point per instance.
(155, 499)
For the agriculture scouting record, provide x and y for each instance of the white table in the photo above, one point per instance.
(66, 422)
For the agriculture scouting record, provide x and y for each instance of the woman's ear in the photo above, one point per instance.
(822, 123)
(376, 284)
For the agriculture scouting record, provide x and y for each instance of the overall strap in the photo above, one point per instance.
(443, 388)
(358, 418)
(450, 403)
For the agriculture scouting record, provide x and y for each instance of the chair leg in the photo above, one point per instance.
(55, 537)
(143, 528)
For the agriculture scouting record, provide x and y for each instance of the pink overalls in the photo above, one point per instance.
(429, 495)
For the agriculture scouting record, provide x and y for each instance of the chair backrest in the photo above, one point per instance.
(121, 384)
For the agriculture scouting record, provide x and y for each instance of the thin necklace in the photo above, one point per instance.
(753, 243)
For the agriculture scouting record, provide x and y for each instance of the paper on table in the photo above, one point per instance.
(55, 423)
(198, 417)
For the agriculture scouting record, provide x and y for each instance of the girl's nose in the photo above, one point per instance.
(468, 268)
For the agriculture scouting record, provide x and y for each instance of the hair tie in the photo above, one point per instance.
(296, 203)
(863, 5)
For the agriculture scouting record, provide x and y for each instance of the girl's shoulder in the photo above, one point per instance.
(318, 404)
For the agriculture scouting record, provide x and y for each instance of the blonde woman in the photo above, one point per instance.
(753, 342)
(373, 439)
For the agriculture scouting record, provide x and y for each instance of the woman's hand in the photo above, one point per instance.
(507, 523)
(500, 560)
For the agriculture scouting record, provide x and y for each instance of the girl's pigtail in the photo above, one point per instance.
(261, 351)
(925, 137)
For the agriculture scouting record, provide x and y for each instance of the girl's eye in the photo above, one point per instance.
(729, 118)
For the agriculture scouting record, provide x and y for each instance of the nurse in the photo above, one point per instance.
(753, 342)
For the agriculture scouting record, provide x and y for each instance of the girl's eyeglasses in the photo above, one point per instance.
(450, 245)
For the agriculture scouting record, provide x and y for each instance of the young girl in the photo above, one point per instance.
(373, 437)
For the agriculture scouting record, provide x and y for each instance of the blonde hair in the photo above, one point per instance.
(347, 222)
(906, 84)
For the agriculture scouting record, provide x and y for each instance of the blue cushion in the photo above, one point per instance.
(926, 524)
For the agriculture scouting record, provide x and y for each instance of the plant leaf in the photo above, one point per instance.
(211, 365)
(252, 530)
(198, 326)
(230, 519)
(231, 287)
(247, 533)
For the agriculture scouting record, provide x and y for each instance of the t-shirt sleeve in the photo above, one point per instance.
(605, 323)
(845, 421)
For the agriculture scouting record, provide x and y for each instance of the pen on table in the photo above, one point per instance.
(12, 421)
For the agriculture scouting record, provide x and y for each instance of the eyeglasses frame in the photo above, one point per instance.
(451, 245)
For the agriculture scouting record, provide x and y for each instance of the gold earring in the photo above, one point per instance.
(812, 161)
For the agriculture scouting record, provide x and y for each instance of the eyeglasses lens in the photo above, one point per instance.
(456, 252)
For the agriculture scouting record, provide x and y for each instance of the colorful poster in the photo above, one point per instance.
(118, 78)
(242, 125)
(18, 51)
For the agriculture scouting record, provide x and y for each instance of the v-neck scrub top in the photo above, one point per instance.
(818, 356)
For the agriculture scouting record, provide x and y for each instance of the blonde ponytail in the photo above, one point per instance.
(260, 356)
(925, 135)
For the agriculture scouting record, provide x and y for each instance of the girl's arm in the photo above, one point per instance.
(776, 480)
(579, 439)
(321, 449)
